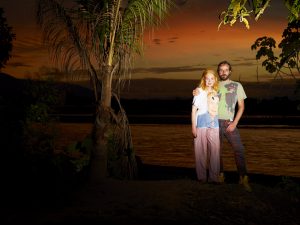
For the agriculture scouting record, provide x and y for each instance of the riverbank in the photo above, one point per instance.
(289, 121)
(161, 194)
(166, 195)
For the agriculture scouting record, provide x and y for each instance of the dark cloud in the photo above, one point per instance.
(28, 43)
(27, 46)
(16, 56)
(172, 39)
(243, 59)
(156, 41)
(160, 70)
(245, 64)
(18, 64)
(181, 2)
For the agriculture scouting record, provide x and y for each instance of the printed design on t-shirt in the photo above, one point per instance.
(231, 96)
(212, 103)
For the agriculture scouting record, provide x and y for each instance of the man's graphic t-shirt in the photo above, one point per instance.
(229, 93)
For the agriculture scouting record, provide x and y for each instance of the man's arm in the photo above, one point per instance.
(196, 92)
(234, 123)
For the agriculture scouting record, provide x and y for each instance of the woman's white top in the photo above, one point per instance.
(200, 101)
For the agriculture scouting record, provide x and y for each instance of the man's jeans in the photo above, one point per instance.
(235, 140)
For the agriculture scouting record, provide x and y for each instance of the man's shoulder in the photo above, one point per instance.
(236, 83)
(240, 89)
(229, 82)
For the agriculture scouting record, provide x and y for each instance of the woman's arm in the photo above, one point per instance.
(193, 120)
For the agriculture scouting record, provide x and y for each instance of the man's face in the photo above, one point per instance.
(224, 72)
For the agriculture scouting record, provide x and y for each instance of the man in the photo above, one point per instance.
(230, 93)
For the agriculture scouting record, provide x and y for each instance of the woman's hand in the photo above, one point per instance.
(194, 132)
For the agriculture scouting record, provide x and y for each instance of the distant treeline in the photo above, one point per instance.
(17, 96)
(277, 106)
(277, 111)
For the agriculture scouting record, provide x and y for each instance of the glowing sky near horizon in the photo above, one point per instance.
(186, 43)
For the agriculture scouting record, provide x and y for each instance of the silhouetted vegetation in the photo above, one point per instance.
(6, 38)
(31, 166)
(287, 63)
(106, 51)
(277, 110)
(241, 10)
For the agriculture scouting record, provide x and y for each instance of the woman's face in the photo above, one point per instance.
(209, 80)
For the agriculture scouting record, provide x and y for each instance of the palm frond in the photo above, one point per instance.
(137, 16)
(94, 34)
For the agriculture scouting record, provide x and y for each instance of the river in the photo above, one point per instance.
(272, 150)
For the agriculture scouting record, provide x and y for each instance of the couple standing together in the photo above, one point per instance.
(213, 119)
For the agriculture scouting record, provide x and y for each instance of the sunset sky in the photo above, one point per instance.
(186, 43)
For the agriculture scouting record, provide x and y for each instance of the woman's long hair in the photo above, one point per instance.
(202, 81)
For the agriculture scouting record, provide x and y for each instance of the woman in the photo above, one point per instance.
(205, 128)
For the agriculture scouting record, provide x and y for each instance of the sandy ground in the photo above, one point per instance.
(161, 195)
(161, 199)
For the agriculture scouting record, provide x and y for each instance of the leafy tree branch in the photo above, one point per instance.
(241, 10)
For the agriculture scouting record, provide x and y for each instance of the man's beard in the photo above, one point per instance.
(225, 77)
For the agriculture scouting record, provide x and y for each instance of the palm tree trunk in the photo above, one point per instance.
(101, 128)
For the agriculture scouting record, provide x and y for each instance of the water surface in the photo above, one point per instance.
(273, 150)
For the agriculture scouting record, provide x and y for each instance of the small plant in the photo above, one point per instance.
(121, 157)
(79, 154)
(37, 113)
(291, 186)
(40, 99)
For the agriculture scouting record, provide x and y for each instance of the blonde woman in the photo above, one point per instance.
(205, 128)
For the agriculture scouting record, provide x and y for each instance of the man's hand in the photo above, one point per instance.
(231, 127)
(195, 92)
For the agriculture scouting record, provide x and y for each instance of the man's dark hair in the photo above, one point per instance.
(224, 63)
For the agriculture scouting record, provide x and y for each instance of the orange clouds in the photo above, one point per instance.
(187, 39)
(190, 38)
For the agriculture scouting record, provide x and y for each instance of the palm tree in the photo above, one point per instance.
(101, 37)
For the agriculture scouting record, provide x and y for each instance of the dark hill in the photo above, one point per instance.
(13, 88)
(155, 102)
